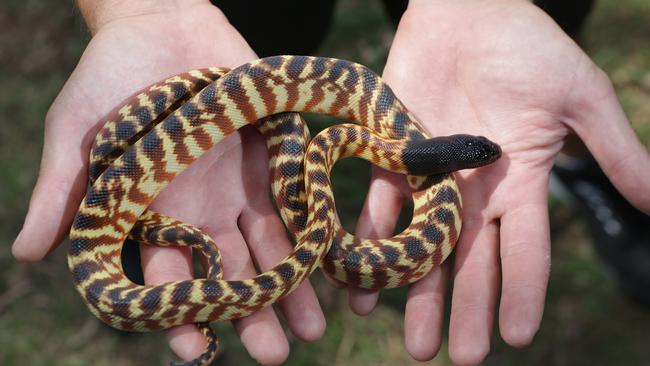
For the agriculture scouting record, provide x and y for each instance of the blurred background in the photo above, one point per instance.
(44, 322)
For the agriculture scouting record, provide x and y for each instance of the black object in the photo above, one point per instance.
(296, 27)
(289, 27)
(620, 232)
(569, 15)
(131, 261)
(283, 27)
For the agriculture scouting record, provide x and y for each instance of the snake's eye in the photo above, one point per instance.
(476, 150)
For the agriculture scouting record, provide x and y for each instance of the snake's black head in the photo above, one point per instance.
(449, 153)
(474, 151)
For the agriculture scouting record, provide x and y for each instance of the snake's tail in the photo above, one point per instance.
(157, 229)
(211, 351)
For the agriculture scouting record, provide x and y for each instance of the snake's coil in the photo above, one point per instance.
(158, 133)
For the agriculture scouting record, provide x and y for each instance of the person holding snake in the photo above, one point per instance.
(524, 90)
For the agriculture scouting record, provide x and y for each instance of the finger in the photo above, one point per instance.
(377, 220)
(58, 191)
(161, 265)
(424, 314)
(475, 289)
(525, 261)
(595, 114)
(261, 332)
(267, 240)
(362, 301)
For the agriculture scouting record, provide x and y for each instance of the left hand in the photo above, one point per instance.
(505, 70)
(136, 43)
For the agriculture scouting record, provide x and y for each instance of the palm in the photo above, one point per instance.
(504, 70)
(220, 194)
(501, 81)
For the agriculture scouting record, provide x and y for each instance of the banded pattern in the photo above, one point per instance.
(158, 133)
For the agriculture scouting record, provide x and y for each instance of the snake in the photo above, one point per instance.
(153, 136)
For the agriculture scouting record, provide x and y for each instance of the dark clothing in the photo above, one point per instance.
(570, 15)
(296, 27)
(288, 27)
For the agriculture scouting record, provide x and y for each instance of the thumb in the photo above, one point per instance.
(595, 114)
(58, 191)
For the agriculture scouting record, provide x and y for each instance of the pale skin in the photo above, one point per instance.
(498, 68)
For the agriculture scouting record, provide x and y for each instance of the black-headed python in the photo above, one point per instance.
(158, 133)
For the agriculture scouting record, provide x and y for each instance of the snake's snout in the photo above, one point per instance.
(481, 151)
(449, 153)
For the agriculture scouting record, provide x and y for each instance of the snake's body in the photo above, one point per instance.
(158, 133)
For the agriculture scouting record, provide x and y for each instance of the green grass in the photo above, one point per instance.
(44, 322)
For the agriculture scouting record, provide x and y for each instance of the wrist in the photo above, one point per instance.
(459, 16)
(98, 13)
(442, 6)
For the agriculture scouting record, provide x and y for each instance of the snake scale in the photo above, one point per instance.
(156, 134)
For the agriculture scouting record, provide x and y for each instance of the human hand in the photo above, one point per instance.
(136, 44)
(502, 69)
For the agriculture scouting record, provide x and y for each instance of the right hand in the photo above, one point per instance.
(133, 48)
(501, 69)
